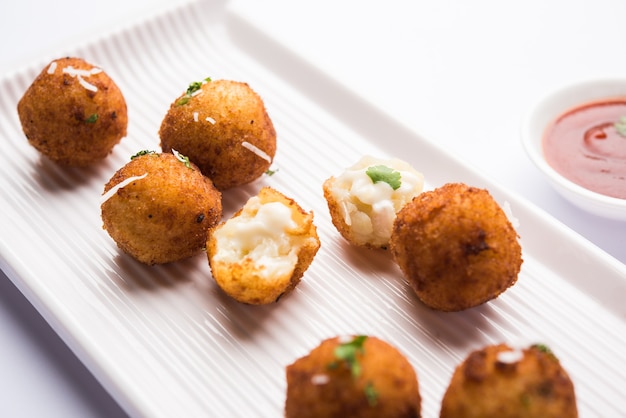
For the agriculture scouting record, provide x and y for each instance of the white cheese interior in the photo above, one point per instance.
(260, 233)
(370, 208)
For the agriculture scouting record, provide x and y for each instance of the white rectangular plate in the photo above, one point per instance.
(166, 342)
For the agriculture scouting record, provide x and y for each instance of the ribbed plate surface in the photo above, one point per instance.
(166, 342)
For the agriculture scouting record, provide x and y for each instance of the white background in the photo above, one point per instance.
(460, 73)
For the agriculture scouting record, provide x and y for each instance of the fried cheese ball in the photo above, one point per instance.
(364, 199)
(158, 208)
(262, 252)
(73, 113)
(224, 128)
(456, 247)
(360, 376)
(500, 381)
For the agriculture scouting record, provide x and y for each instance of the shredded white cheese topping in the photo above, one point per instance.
(120, 185)
(179, 156)
(87, 85)
(320, 379)
(52, 68)
(195, 116)
(210, 120)
(79, 74)
(257, 151)
(510, 357)
(74, 72)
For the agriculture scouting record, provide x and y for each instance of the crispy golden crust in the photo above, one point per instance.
(243, 278)
(320, 386)
(456, 247)
(57, 114)
(240, 116)
(336, 214)
(535, 386)
(165, 216)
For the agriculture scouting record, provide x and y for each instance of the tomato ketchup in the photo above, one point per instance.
(587, 145)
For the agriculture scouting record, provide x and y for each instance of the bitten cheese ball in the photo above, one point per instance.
(73, 112)
(456, 247)
(158, 208)
(501, 381)
(364, 199)
(357, 376)
(224, 128)
(262, 252)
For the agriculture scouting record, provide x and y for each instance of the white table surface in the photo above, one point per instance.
(460, 73)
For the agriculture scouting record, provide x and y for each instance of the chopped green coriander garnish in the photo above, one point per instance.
(620, 126)
(371, 394)
(142, 152)
(382, 173)
(183, 100)
(544, 349)
(194, 86)
(92, 119)
(347, 353)
(271, 172)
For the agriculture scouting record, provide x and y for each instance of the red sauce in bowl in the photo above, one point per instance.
(584, 146)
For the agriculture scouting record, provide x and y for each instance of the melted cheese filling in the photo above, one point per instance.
(260, 233)
(370, 208)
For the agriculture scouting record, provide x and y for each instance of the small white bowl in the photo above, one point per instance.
(544, 112)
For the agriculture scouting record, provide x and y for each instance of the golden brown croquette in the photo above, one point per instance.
(224, 128)
(262, 252)
(456, 247)
(159, 207)
(73, 112)
(357, 376)
(500, 381)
